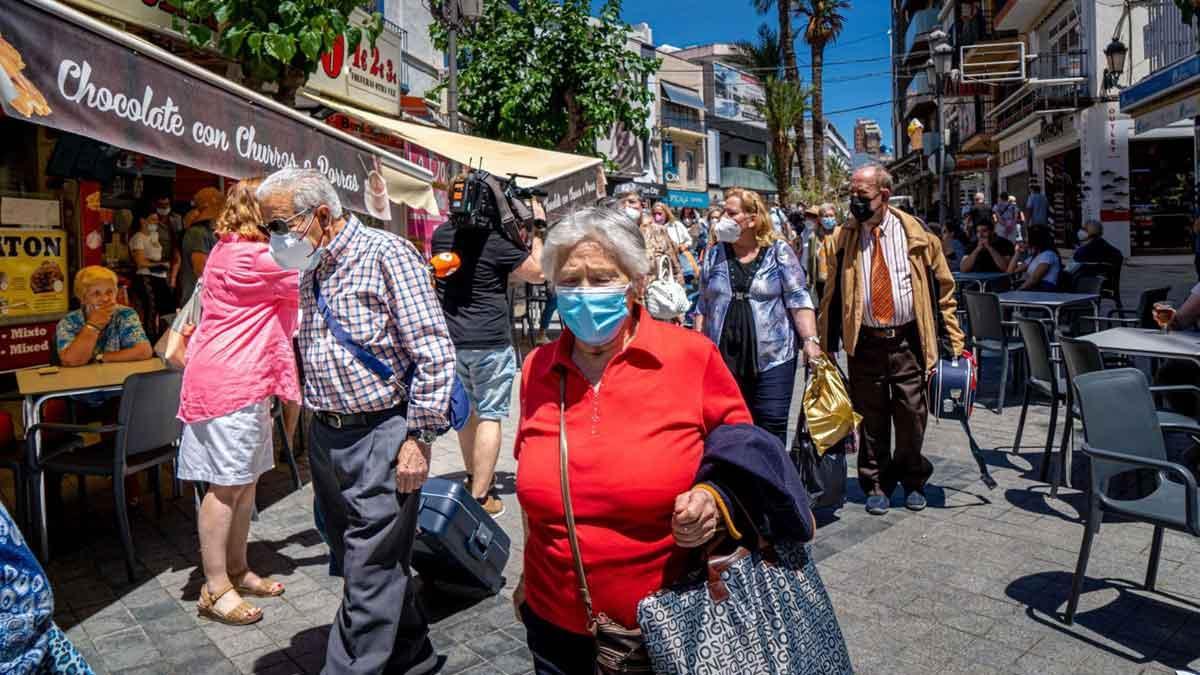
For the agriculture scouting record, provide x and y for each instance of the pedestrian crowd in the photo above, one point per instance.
(652, 432)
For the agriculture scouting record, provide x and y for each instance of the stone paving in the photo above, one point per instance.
(974, 584)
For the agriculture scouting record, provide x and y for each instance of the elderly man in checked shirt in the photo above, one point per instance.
(370, 437)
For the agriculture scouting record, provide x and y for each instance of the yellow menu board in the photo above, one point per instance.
(33, 272)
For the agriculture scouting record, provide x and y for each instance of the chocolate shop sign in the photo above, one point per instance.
(84, 83)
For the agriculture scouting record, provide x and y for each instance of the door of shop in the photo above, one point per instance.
(1063, 192)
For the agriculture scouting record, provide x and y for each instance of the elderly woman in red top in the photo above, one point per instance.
(641, 396)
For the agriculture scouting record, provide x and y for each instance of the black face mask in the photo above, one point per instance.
(860, 208)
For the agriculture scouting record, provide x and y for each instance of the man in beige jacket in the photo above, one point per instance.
(878, 305)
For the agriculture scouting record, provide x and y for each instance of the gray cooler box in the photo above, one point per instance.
(457, 541)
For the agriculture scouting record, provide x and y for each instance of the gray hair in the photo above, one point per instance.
(883, 178)
(611, 229)
(309, 188)
(827, 206)
(1096, 224)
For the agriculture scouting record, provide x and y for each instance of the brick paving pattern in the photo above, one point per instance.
(974, 584)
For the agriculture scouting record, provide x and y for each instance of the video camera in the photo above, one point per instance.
(474, 203)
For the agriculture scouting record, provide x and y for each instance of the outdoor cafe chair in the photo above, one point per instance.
(1043, 379)
(1122, 433)
(990, 333)
(147, 431)
(1142, 317)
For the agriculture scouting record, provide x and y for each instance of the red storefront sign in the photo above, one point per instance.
(25, 346)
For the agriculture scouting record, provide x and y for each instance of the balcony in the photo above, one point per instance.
(681, 118)
(918, 96)
(1019, 15)
(975, 126)
(1058, 82)
(1166, 37)
(919, 27)
(402, 34)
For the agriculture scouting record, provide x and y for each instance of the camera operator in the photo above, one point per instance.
(475, 302)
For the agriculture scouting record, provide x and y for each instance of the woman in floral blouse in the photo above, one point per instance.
(755, 305)
(30, 642)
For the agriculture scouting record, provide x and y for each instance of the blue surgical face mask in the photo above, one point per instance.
(594, 315)
(828, 222)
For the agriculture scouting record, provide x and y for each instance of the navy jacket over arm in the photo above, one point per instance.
(751, 464)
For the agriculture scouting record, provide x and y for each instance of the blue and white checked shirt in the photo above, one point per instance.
(379, 290)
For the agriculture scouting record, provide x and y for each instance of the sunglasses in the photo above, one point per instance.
(280, 226)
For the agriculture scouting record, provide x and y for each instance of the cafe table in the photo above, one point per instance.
(1182, 345)
(38, 385)
(1051, 303)
(979, 280)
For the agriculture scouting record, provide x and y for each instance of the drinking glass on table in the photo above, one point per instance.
(1164, 313)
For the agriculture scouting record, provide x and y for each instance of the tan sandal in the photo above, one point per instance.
(259, 591)
(242, 615)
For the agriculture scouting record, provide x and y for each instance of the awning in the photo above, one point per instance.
(751, 179)
(102, 83)
(569, 179)
(677, 94)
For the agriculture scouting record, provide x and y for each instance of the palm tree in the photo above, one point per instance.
(784, 103)
(760, 58)
(824, 24)
(784, 9)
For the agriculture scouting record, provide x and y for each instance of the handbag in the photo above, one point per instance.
(760, 609)
(172, 346)
(827, 409)
(618, 649)
(823, 473)
(460, 405)
(665, 297)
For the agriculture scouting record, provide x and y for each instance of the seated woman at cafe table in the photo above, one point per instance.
(100, 330)
(1039, 264)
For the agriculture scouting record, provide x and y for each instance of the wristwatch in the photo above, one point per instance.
(100, 357)
(814, 339)
(423, 436)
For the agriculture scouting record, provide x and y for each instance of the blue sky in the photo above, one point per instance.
(847, 85)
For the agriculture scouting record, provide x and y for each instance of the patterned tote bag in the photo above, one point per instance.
(762, 611)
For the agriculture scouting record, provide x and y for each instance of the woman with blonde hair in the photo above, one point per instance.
(101, 329)
(754, 302)
(238, 358)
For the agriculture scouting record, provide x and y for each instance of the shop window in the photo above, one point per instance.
(725, 160)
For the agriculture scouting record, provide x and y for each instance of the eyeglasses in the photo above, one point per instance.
(280, 225)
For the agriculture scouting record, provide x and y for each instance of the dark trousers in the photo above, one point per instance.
(887, 387)
(769, 397)
(370, 530)
(557, 651)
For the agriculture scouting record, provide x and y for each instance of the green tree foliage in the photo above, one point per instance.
(825, 22)
(278, 44)
(550, 76)
(785, 102)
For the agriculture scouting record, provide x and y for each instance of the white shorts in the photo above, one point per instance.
(234, 449)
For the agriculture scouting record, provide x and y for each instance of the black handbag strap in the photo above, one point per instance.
(568, 511)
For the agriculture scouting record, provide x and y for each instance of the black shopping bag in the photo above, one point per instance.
(824, 475)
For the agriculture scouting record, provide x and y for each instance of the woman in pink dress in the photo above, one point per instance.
(238, 358)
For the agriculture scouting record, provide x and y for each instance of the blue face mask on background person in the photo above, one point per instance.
(293, 251)
(829, 222)
(594, 315)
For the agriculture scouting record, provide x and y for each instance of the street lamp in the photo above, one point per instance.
(1114, 55)
(937, 68)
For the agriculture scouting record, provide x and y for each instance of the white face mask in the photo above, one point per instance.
(635, 214)
(727, 230)
(152, 228)
(292, 251)
(163, 212)
(1082, 235)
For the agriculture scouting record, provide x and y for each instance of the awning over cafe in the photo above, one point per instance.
(97, 81)
(569, 179)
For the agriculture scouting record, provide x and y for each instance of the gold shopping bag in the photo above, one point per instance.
(827, 407)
